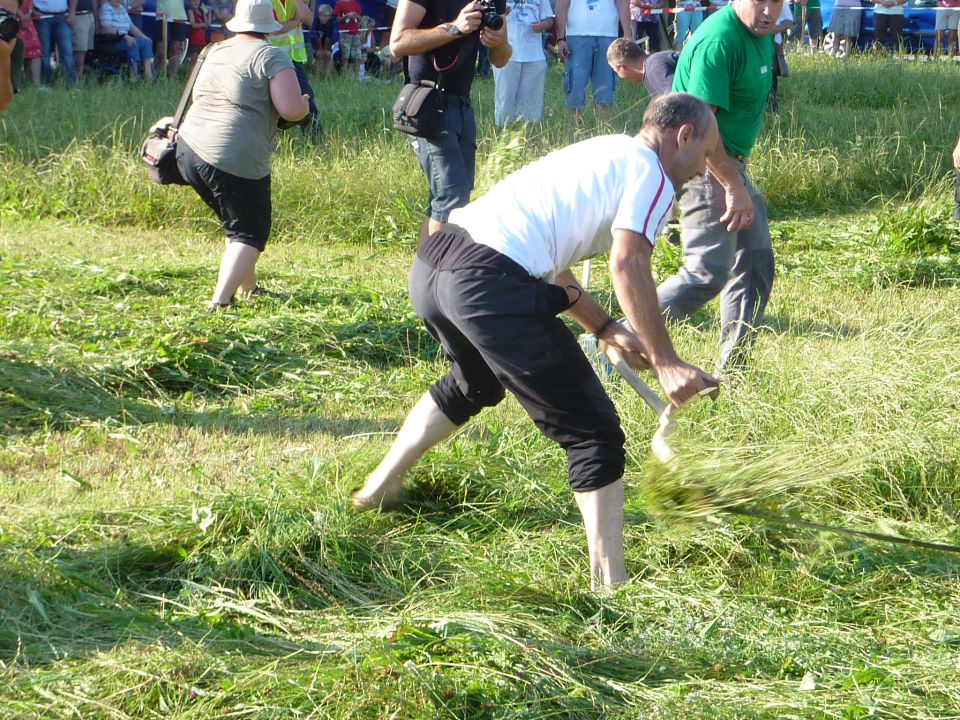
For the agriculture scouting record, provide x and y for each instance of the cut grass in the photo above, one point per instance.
(175, 538)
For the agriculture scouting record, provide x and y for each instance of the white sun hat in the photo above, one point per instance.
(253, 16)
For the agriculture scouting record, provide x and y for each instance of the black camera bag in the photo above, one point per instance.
(159, 150)
(419, 110)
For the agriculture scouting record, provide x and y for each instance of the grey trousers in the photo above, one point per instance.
(738, 266)
(519, 91)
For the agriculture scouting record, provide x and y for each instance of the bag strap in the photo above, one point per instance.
(188, 90)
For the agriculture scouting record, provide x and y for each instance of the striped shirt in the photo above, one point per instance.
(116, 18)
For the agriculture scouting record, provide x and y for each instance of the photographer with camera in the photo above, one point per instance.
(439, 41)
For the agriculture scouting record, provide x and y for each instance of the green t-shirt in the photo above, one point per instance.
(724, 65)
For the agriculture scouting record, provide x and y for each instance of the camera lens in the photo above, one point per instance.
(492, 20)
(9, 27)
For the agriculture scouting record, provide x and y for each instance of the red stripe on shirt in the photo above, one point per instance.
(656, 199)
(663, 218)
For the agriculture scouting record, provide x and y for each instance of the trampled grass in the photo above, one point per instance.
(175, 538)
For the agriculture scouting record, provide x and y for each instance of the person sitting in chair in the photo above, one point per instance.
(115, 21)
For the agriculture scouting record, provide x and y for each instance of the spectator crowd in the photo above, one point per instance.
(141, 38)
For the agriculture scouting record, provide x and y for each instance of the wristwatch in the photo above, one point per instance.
(452, 29)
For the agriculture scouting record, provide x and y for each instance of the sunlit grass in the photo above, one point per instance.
(175, 536)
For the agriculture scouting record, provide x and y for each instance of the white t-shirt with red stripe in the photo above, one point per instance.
(563, 208)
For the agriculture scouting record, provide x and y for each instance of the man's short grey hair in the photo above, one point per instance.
(623, 51)
(672, 110)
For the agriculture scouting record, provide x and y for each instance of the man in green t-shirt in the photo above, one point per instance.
(728, 63)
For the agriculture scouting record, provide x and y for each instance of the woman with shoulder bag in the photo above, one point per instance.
(244, 87)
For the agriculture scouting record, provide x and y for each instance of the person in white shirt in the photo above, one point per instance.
(116, 22)
(585, 29)
(491, 282)
(520, 83)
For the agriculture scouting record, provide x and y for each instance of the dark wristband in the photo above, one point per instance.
(603, 328)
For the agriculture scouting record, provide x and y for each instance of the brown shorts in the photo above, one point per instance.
(83, 29)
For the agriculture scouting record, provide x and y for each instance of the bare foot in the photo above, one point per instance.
(382, 501)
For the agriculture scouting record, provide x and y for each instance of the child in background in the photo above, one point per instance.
(368, 50)
(324, 29)
(199, 24)
(220, 12)
(646, 25)
(31, 44)
(348, 15)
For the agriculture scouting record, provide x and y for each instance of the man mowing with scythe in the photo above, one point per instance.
(490, 284)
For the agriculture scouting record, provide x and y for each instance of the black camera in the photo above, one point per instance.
(489, 17)
(9, 25)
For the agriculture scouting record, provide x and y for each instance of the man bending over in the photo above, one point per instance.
(489, 285)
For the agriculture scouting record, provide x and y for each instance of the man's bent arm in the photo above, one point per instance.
(637, 293)
(497, 44)
(560, 17)
(739, 207)
(585, 309)
(594, 319)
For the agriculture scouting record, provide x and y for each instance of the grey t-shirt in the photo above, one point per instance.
(232, 122)
(658, 71)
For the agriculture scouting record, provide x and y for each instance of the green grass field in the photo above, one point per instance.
(175, 536)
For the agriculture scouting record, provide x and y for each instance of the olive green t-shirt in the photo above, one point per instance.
(232, 122)
(724, 65)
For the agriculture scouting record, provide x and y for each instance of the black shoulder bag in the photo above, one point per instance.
(159, 150)
(419, 108)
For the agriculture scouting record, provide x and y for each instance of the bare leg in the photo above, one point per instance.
(173, 62)
(431, 226)
(425, 426)
(602, 512)
(159, 57)
(79, 61)
(602, 112)
(248, 283)
(237, 267)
